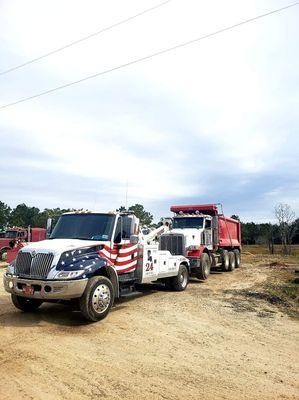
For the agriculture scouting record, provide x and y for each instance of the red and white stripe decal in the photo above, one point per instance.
(124, 260)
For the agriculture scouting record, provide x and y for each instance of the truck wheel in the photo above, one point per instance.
(232, 261)
(237, 258)
(3, 254)
(224, 261)
(204, 267)
(25, 304)
(180, 282)
(97, 298)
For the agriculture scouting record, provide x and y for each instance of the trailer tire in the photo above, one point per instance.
(224, 261)
(204, 267)
(180, 282)
(237, 258)
(97, 299)
(232, 260)
(25, 304)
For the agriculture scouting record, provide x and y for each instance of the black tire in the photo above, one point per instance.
(224, 261)
(232, 261)
(25, 304)
(237, 258)
(97, 298)
(180, 282)
(204, 267)
(3, 254)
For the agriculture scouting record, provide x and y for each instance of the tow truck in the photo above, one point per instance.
(92, 258)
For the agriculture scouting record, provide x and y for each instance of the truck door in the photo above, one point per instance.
(208, 234)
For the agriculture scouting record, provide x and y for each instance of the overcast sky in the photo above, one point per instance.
(216, 121)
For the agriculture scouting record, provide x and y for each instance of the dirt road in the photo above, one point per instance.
(217, 340)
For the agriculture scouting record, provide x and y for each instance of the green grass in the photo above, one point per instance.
(263, 249)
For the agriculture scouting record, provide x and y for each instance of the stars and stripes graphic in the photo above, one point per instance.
(124, 259)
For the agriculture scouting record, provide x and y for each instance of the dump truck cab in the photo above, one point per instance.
(195, 229)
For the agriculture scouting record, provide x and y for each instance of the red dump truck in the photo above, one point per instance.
(206, 237)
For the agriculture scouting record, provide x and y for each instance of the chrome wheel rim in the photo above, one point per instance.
(101, 298)
(183, 278)
(206, 269)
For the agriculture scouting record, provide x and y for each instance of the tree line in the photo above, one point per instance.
(24, 216)
(284, 232)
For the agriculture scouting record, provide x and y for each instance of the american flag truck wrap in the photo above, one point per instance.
(92, 258)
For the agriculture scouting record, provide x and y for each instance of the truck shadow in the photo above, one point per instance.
(65, 315)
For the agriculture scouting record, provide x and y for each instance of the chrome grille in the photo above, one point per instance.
(23, 264)
(174, 243)
(36, 267)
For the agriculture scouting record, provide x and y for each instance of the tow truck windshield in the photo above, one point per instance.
(84, 226)
(188, 222)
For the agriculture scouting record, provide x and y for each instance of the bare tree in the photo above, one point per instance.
(287, 227)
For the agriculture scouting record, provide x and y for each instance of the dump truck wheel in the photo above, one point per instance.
(204, 267)
(25, 304)
(237, 258)
(180, 282)
(224, 261)
(97, 298)
(232, 261)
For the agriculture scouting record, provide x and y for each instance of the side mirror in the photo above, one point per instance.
(49, 227)
(134, 239)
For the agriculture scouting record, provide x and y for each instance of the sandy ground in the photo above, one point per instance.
(209, 342)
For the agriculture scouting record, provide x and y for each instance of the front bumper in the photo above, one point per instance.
(45, 290)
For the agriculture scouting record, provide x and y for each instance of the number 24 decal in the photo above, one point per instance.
(149, 266)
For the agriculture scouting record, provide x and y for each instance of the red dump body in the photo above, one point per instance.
(229, 232)
(229, 229)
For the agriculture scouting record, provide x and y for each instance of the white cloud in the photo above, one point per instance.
(223, 110)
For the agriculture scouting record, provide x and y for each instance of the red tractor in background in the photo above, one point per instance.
(14, 238)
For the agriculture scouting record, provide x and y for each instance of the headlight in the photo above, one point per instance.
(69, 274)
(10, 269)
